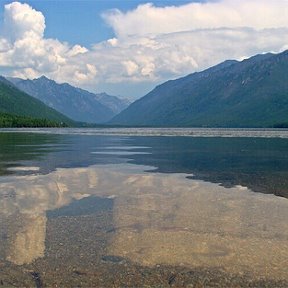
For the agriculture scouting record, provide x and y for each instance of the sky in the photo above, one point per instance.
(126, 48)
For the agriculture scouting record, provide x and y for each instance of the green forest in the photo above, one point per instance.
(15, 121)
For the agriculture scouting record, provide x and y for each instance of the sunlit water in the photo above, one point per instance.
(83, 209)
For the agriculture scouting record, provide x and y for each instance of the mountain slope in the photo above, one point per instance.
(76, 103)
(114, 103)
(16, 102)
(251, 93)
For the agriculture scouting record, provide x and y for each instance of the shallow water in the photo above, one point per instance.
(117, 211)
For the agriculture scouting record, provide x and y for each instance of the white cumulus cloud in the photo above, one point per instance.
(148, 19)
(26, 53)
(22, 22)
(151, 44)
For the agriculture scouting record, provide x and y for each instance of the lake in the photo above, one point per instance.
(143, 208)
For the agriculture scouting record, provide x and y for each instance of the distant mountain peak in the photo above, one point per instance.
(43, 79)
(76, 103)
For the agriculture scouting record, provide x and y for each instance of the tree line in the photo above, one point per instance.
(16, 121)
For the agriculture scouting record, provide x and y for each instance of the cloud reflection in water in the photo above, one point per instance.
(158, 218)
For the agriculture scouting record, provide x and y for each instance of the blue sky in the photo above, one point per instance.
(128, 47)
(80, 21)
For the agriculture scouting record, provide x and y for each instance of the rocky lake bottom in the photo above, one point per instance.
(90, 210)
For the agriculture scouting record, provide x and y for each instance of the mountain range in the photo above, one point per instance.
(16, 105)
(250, 93)
(77, 104)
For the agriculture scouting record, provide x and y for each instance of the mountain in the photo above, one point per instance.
(250, 93)
(76, 103)
(114, 103)
(17, 103)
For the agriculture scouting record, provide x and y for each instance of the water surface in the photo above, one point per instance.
(83, 209)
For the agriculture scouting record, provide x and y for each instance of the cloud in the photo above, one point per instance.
(21, 21)
(151, 44)
(148, 19)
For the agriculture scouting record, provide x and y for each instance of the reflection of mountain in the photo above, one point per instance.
(258, 163)
(19, 147)
(52, 151)
(158, 218)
